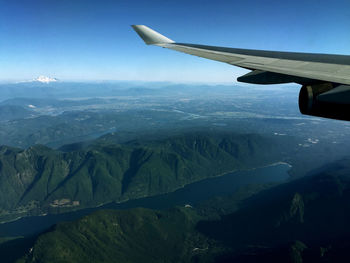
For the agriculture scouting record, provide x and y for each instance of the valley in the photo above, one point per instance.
(158, 156)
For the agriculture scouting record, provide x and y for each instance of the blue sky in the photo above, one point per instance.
(85, 40)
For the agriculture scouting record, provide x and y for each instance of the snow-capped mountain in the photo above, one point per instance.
(44, 79)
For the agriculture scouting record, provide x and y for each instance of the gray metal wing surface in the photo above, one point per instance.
(325, 78)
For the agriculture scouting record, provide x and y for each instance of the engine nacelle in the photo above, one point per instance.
(325, 100)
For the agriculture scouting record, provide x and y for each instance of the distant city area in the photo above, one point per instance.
(58, 113)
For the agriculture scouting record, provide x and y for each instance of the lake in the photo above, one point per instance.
(190, 194)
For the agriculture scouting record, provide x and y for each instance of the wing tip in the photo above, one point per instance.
(151, 37)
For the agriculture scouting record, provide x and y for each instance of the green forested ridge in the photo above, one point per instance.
(305, 220)
(40, 179)
(137, 235)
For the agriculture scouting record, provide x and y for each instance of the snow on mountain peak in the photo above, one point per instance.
(44, 79)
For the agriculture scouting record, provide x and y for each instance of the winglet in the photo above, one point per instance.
(150, 36)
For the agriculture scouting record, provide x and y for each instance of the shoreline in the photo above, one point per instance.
(214, 176)
(146, 196)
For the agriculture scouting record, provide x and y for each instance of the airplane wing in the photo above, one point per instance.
(325, 78)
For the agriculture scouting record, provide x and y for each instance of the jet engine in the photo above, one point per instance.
(325, 100)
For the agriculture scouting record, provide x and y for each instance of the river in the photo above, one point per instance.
(191, 194)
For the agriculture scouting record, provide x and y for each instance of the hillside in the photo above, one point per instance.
(12, 112)
(40, 180)
(305, 220)
(138, 235)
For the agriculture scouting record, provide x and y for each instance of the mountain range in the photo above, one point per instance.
(41, 180)
(305, 220)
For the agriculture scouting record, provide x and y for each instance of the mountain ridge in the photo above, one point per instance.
(298, 222)
(42, 180)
